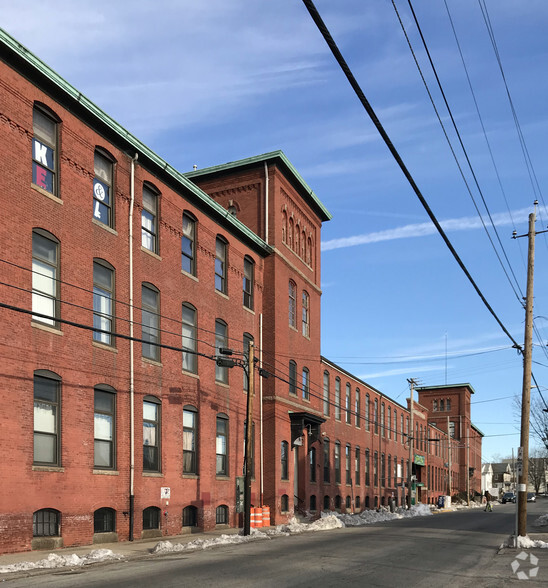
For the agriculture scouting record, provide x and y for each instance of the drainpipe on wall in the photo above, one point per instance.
(131, 357)
(266, 202)
(261, 405)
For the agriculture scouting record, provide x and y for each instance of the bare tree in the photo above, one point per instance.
(538, 459)
(538, 419)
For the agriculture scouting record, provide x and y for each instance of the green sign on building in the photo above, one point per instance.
(419, 459)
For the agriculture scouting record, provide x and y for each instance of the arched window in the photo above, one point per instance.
(104, 427)
(151, 433)
(367, 466)
(284, 227)
(44, 149)
(190, 439)
(103, 187)
(46, 523)
(247, 340)
(150, 312)
(297, 239)
(190, 339)
(303, 246)
(151, 518)
(292, 304)
(284, 457)
(326, 461)
(290, 234)
(358, 501)
(306, 314)
(389, 431)
(383, 428)
(338, 398)
(376, 416)
(221, 337)
(248, 282)
(221, 515)
(47, 418)
(338, 502)
(220, 264)
(306, 383)
(337, 462)
(45, 278)
(367, 502)
(309, 251)
(104, 520)
(326, 503)
(292, 377)
(367, 413)
(188, 244)
(357, 467)
(284, 503)
(348, 502)
(348, 404)
(326, 393)
(103, 301)
(149, 218)
(190, 516)
(348, 463)
(222, 445)
(312, 461)
(312, 502)
(357, 407)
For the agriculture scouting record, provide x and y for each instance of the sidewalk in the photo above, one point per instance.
(124, 549)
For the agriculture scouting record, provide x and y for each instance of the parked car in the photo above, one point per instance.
(508, 497)
(531, 497)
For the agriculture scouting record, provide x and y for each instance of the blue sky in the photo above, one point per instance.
(210, 82)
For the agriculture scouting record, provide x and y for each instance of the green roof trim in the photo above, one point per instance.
(279, 155)
(130, 140)
(477, 430)
(446, 387)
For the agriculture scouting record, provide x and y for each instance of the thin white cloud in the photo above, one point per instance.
(466, 223)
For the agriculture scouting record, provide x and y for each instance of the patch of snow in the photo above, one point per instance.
(61, 561)
(368, 517)
(541, 521)
(527, 543)
(168, 547)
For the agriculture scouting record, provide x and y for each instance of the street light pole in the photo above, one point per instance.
(410, 439)
(249, 438)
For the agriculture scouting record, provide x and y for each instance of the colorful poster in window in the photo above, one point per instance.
(43, 160)
(101, 201)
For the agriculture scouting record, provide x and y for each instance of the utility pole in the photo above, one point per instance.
(248, 438)
(526, 388)
(410, 439)
(468, 470)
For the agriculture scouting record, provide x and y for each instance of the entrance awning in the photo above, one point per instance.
(300, 420)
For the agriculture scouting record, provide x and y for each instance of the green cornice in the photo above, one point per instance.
(446, 387)
(20, 58)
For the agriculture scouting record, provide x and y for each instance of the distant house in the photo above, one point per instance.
(502, 476)
(486, 477)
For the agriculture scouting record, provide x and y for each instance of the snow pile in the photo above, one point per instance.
(368, 517)
(541, 521)
(326, 523)
(61, 561)
(168, 547)
(527, 543)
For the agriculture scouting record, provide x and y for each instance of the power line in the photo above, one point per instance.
(365, 103)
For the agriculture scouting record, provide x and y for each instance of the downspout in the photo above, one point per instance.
(131, 357)
(265, 203)
(261, 406)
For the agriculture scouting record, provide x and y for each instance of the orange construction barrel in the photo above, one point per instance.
(258, 517)
(266, 516)
(252, 523)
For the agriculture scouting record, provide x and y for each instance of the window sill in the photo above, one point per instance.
(222, 478)
(52, 330)
(190, 476)
(222, 294)
(250, 310)
(190, 374)
(39, 468)
(222, 384)
(106, 472)
(152, 361)
(153, 475)
(103, 226)
(151, 253)
(292, 328)
(104, 346)
(191, 276)
(46, 194)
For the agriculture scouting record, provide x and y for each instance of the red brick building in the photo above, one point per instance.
(123, 279)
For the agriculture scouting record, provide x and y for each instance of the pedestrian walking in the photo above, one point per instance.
(488, 505)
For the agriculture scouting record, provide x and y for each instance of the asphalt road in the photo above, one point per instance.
(449, 549)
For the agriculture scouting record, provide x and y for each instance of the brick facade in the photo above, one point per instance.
(264, 213)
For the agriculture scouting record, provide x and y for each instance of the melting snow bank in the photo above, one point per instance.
(368, 517)
(168, 547)
(524, 543)
(61, 561)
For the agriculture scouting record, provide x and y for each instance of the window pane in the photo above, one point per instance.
(150, 411)
(102, 454)
(45, 448)
(45, 417)
(103, 427)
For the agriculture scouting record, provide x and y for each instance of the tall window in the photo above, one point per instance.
(357, 407)
(402, 433)
(149, 220)
(103, 193)
(338, 398)
(221, 373)
(222, 445)
(367, 413)
(326, 461)
(47, 418)
(312, 458)
(448, 404)
(306, 384)
(284, 460)
(221, 515)
(190, 432)
(348, 404)
(190, 516)
(452, 430)
(150, 307)
(248, 283)
(44, 151)
(45, 277)
(151, 518)
(389, 470)
(46, 523)
(376, 416)
(103, 300)
(292, 304)
(188, 245)
(306, 314)
(348, 464)
(395, 421)
(376, 469)
(357, 466)
(220, 265)
(442, 406)
(367, 467)
(190, 341)
(292, 377)
(104, 427)
(389, 432)
(434, 405)
(326, 393)
(383, 470)
(337, 460)
(151, 434)
(247, 340)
